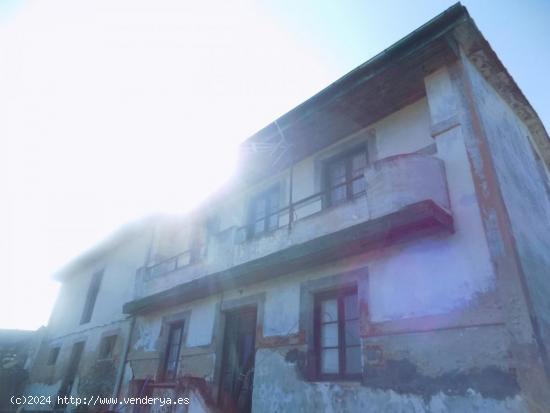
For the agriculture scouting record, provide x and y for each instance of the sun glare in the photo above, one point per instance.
(116, 110)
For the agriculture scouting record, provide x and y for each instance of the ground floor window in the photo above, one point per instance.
(338, 346)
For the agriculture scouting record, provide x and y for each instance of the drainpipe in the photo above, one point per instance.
(291, 176)
(122, 365)
(290, 190)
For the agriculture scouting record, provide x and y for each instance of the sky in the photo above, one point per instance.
(111, 110)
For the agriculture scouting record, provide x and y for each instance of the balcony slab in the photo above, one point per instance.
(412, 221)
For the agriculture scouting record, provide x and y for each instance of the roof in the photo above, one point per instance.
(383, 84)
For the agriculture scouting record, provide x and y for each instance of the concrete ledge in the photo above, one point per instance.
(443, 126)
(487, 317)
(401, 180)
(412, 221)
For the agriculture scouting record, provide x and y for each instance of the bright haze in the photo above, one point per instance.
(113, 110)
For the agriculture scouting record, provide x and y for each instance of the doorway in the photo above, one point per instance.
(237, 370)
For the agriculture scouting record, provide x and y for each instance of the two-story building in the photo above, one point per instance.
(383, 248)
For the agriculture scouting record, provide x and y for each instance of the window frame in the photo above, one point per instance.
(252, 220)
(357, 278)
(339, 295)
(347, 158)
(179, 324)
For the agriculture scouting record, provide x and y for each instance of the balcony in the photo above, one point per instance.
(406, 197)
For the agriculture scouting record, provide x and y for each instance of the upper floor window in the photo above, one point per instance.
(91, 297)
(263, 215)
(344, 177)
(107, 347)
(171, 360)
(54, 354)
(338, 346)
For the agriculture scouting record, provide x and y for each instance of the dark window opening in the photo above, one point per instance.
(107, 347)
(54, 354)
(344, 178)
(263, 213)
(91, 297)
(171, 360)
(338, 344)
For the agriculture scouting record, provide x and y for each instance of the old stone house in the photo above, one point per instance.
(384, 248)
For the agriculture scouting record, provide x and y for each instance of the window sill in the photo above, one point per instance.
(265, 234)
(345, 381)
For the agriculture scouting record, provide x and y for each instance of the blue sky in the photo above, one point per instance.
(110, 109)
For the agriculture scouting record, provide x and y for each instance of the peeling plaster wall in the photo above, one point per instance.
(289, 393)
(524, 187)
(147, 331)
(423, 358)
(201, 324)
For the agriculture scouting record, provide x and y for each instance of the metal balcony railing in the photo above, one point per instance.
(312, 204)
(169, 264)
(283, 217)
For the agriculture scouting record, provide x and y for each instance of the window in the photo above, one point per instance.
(344, 177)
(175, 338)
(107, 347)
(93, 290)
(54, 354)
(263, 216)
(337, 335)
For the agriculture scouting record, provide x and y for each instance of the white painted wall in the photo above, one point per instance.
(117, 287)
(406, 130)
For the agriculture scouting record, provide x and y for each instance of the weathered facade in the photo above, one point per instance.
(82, 348)
(384, 248)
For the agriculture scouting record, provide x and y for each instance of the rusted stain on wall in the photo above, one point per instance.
(403, 377)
